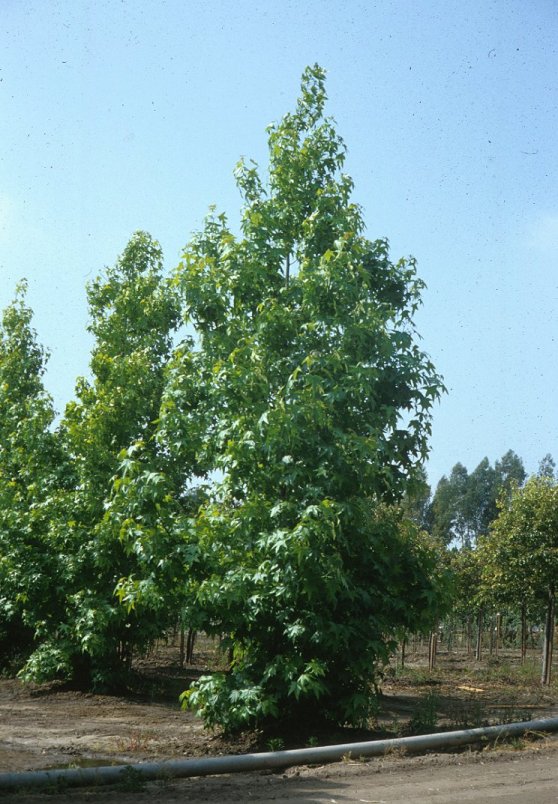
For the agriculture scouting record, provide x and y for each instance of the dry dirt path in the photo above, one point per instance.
(528, 776)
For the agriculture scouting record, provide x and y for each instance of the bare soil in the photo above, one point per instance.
(50, 726)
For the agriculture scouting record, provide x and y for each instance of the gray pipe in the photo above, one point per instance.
(76, 777)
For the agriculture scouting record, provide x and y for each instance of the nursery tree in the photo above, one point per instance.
(31, 469)
(318, 403)
(521, 554)
(156, 494)
(133, 313)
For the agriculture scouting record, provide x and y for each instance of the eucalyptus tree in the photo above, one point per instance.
(449, 519)
(133, 313)
(547, 467)
(317, 406)
(417, 502)
(464, 505)
(510, 472)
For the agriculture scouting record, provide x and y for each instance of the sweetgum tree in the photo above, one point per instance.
(133, 313)
(32, 470)
(317, 404)
(156, 493)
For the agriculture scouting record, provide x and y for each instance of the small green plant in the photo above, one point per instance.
(425, 718)
(276, 744)
(396, 727)
(414, 676)
(467, 714)
(312, 742)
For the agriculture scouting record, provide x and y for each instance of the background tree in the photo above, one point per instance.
(465, 504)
(319, 401)
(417, 504)
(510, 473)
(133, 313)
(479, 501)
(449, 518)
(547, 467)
(522, 552)
(468, 603)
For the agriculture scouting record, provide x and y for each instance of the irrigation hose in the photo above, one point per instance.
(236, 763)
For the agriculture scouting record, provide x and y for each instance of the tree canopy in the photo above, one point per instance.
(520, 555)
(262, 479)
(32, 467)
(133, 312)
(320, 401)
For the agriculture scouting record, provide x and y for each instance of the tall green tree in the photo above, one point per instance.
(449, 518)
(547, 467)
(157, 491)
(465, 504)
(417, 504)
(32, 467)
(510, 472)
(479, 503)
(318, 401)
(134, 312)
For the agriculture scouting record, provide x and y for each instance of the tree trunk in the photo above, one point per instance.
(403, 645)
(548, 640)
(469, 635)
(478, 649)
(432, 645)
(497, 634)
(190, 645)
(523, 632)
(182, 652)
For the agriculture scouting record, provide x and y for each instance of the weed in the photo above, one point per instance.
(138, 741)
(425, 718)
(501, 671)
(276, 744)
(414, 676)
(467, 714)
(396, 752)
(395, 728)
(312, 742)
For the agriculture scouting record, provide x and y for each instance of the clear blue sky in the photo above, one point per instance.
(127, 114)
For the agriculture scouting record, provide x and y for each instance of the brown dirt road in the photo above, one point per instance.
(529, 776)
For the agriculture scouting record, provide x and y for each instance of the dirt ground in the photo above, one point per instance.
(44, 727)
